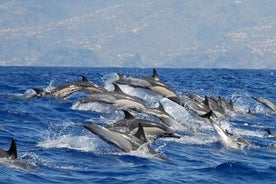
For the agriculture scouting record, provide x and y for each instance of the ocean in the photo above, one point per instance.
(53, 146)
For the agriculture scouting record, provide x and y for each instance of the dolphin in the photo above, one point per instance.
(123, 142)
(224, 137)
(151, 128)
(165, 117)
(226, 105)
(117, 98)
(152, 83)
(65, 90)
(11, 153)
(202, 105)
(271, 105)
(193, 104)
(270, 133)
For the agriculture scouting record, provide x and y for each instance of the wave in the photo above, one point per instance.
(63, 136)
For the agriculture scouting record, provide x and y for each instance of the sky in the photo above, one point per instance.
(142, 33)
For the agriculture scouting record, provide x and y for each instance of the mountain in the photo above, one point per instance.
(144, 33)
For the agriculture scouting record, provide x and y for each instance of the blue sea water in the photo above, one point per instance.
(53, 147)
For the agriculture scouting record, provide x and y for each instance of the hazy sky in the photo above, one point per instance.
(159, 33)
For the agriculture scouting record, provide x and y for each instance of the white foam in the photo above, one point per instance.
(20, 164)
(61, 136)
(198, 139)
(82, 143)
(50, 86)
(109, 79)
(250, 133)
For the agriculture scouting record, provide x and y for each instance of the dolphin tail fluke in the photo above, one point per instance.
(140, 134)
(13, 149)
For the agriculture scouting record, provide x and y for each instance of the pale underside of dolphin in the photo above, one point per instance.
(271, 105)
(225, 139)
(150, 83)
(123, 101)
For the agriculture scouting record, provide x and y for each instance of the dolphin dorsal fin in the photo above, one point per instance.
(120, 75)
(128, 115)
(206, 101)
(84, 79)
(155, 75)
(140, 134)
(268, 131)
(117, 89)
(161, 107)
(231, 103)
(207, 115)
(13, 150)
(174, 99)
(38, 90)
(219, 101)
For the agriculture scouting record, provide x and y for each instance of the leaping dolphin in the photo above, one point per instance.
(224, 138)
(11, 153)
(65, 90)
(153, 83)
(202, 105)
(271, 105)
(122, 101)
(117, 98)
(123, 142)
(151, 128)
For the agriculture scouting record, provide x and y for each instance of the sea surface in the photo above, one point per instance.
(53, 146)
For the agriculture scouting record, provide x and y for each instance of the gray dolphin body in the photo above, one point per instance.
(117, 98)
(11, 153)
(224, 137)
(123, 142)
(202, 105)
(271, 105)
(165, 117)
(151, 128)
(65, 90)
(153, 83)
(123, 101)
